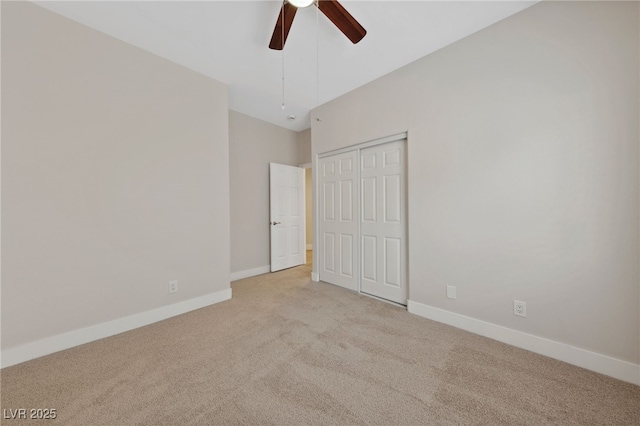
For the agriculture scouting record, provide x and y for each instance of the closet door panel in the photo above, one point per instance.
(383, 221)
(338, 254)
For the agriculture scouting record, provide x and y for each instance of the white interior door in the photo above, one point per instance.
(338, 204)
(383, 267)
(286, 192)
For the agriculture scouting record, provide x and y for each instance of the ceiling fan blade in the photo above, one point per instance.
(342, 19)
(279, 37)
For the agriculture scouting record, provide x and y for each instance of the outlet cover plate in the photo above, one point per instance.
(173, 286)
(451, 292)
(520, 308)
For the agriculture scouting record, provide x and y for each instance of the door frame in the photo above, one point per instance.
(315, 275)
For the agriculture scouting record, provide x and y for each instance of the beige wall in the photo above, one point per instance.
(304, 147)
(115, 178)
(523, 171)
(253, 144)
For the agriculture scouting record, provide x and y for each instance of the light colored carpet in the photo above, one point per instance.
(288, 351)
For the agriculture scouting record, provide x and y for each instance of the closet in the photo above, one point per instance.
(363, 218)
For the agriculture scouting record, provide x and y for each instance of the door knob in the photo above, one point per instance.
(274, 223)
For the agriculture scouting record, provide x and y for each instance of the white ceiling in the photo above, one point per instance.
(228, 40)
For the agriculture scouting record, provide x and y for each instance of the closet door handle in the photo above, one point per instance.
(274, 223)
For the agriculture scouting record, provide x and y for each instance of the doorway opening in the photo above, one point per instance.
(290, 216)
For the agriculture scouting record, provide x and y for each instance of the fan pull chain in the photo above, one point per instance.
(317, 53)
(282, 18)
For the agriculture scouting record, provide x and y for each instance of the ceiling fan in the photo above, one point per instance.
(331, 8)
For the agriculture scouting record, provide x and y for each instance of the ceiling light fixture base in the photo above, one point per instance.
(301, 3)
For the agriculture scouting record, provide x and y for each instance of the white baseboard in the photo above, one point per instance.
(599, 363)
(315, 277)
(73, 338)
(309, 246)
(235, 276)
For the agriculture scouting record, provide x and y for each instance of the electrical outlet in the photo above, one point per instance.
(173, 286)
(520, 308)
(451, 292)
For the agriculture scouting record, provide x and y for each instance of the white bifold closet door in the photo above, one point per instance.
(382, 222)
(363, 220)
(338, 244)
